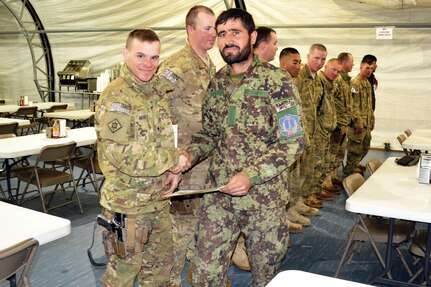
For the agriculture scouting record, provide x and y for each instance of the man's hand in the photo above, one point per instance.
(184, 162)
(172, 180)
(239, 185)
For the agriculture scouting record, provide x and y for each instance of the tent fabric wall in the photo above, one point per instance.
(403, 73)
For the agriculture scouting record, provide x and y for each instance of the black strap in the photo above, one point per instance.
(90, 256)
(319, 106)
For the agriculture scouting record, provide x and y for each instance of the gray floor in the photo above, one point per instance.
(318, 249)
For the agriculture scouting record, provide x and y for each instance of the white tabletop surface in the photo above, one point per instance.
(20, 122)
(305, 279)
(420, 140)
(21, 223)
(393, 191)
(32, 144)
(70, 115)
(40, 106)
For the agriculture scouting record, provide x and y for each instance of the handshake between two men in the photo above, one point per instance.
(238, 185)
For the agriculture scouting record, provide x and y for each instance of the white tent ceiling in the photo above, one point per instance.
(96, 31)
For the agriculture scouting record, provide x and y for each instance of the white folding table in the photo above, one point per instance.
(33, 144)
(393, 191)
(40, 106)
(306, 279)
(419, 140)
(20, 122)
(77, 116)
(22, 223)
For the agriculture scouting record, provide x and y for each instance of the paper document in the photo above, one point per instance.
(193, 191)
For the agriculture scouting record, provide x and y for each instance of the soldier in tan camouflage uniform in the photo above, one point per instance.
(310, 90)
(193, 69)
(343, 106)
(359, 133)
(326, 122)
(252, 127)
(136, 152)
(290, 61)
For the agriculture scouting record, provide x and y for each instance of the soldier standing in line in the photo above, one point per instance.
(137, 156)
(290, 61)
(193, 70)
(343, 107)
(252, 127)
(359, 133)
(326, 122)
(266, 44)
(310, 90)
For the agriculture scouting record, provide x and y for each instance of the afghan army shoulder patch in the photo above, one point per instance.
(170, 76)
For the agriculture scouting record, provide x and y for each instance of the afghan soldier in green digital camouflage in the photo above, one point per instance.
(136, 152)
(193, 69)
(359, 133)
(252, 127)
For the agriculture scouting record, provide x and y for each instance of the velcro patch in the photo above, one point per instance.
(114, 125)
(170, 76)
(120, 108)
(289, 125)
(284, 105)
(354, 90)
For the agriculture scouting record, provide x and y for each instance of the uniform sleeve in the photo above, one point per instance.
(356, 105)
(119, 147)
(203, 142)
(284, 146)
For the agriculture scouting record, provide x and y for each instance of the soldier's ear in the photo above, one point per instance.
(125, 53)
(189, 28)
(253, 36)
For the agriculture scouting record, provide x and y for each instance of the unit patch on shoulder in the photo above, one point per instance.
(114, 125)
(289, 125)
(284, 104)
(119, 108)
(170, 76)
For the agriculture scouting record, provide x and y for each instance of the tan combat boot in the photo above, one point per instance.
(306, 210)
(294, 216)
(294, 227)
(239, 256)
(312, 201)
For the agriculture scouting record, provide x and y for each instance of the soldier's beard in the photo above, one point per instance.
(242, 55)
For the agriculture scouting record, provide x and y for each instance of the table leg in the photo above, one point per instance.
(388, 257)
(9, 187)
(427, 256)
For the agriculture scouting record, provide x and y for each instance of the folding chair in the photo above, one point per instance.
(408, 132)
(47, 121)
(43, 177)
(8, 128)
(372, 165)
(417, 248)
(27, 113)
(15, 259)
(373, 230)
(90, 169)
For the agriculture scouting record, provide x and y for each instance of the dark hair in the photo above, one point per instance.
(263, 35)
(193, 14)
(143, 35)
(288, 51)
(369, 58)
(235, 13)
(344, 56)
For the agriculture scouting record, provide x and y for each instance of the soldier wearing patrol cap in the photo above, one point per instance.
(141, 165)
(252, 127)
(193, 69)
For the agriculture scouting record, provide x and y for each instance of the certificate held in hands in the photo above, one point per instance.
(185, 192)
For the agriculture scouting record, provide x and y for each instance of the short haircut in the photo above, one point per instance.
(333, 60)
(236, 13)
(319, 47)
(263, 35)
(143, 35)
(194, 12)
(288, 51)
(369, 58)
(344, 56)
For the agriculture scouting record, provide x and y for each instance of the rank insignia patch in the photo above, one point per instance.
(114, 125)
(289, 125)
